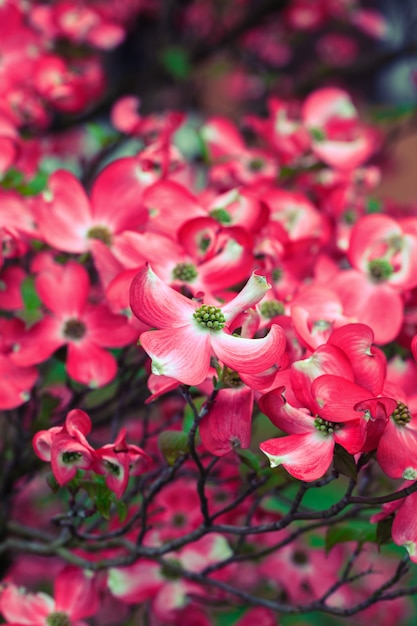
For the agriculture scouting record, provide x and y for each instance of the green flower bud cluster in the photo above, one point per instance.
(59, 618)
(326, 427)
(380, 269)
(74, 329)
(113, 468)
(272, 308)
(210, 317)
(186, 272)
(71, 457)
(101, 233)
(401, 415)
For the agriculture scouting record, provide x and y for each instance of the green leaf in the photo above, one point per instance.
(188, 420)
(342, 533)
(48, 404)
(55, 372)
(249, 459)
(101, 135)
(36, 185)
(91, 488)
(175, 60)
(12, 179)
(30, 298)
(373, 205)
(52, 483)
(344, 463)
(317, 134)
(103, 500)
(122, 510)
(173, 444)
(383, 530)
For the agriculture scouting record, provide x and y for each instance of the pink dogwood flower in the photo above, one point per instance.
(190, 333)
(66, 447)
(73, 321)
(119, 460)
(75, 597)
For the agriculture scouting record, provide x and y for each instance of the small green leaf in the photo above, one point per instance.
(344, 463)
(12, 179)
(249, 459)
(176, 61)
(30, 298)
(48, 404)
(90, 487)
(34, 186)
(103, 500)
(342, 533)
(188, 420)
(383, 530)
(55, 372)
(317, 134)
(122, 510)
(101, 135)
(173, 444)
(52, 483)
(373, 205)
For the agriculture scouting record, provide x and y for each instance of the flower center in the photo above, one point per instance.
(101, 233)
(179, 520)
(276, 274)
(256, 164)
(112, 467)
(58, 619)
(168, 569)
(380, 269)
(230, 378)
(401, 415)
(74, 329)
(299, 557)
(71, 457)
(210, 317)
(326, 427)
(272, 308)
(186, 272)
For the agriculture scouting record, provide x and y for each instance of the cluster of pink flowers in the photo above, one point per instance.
(262, 280)
(68, 450)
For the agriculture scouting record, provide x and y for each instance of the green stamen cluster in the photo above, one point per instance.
(380, 269)
(74, 329)
(276, 274)
(401, 415)
(71, 457)
(256, 164)
(101, 233)
(204, 243)
(350, 216)
(272, 308)
(321, 325)
(113, 468)
(326, 427)
(178, 520)
(300, 557)
(58, 619)
(210, 317)
(230, 378)
(221, 215)
(186, 272)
